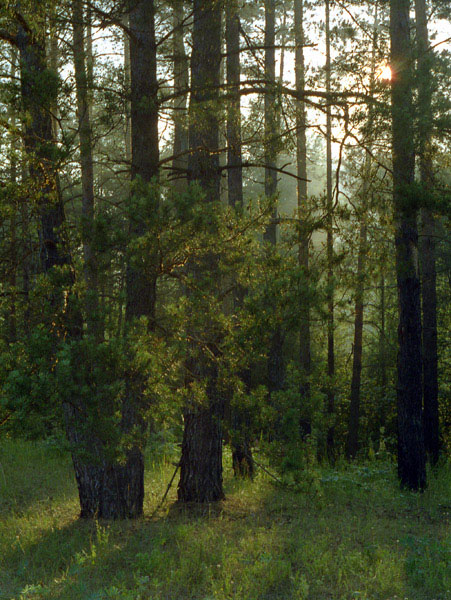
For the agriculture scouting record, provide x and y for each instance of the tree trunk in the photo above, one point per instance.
(181, 83)
(411, 451)
(201, 460)
(427, 245)
(276, 362)
(330, 255)
(12, 278)
(90, 266)
(304, 236)
(234, 158)
(382, 360)
(242, 460)
(55, 253)
(127, 499)
(352, 443)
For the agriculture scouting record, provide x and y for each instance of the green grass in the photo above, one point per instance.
(347, 534)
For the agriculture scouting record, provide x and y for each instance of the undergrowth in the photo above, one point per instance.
(343, 534)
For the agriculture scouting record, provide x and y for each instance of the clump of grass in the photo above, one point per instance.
(353, 535)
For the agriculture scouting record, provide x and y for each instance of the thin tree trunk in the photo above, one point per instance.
(128, 126)
(382, 360)
(270, 118)
(181, 82)
(234, 158)
(90, 267)
(427, 244)
(242, 460)
(411, 451)
(201, 460)
(304, 236)
(352, 442)
(276, 362)
(12, 279)
(330, 255)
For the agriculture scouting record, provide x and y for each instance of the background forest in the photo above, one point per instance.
(225, 230)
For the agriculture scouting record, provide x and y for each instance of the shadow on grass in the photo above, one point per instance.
(32, 475)
(342, 538)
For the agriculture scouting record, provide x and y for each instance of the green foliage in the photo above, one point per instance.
(352, 535)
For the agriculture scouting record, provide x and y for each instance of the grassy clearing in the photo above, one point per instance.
(349, 535)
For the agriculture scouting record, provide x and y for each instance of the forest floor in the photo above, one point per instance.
(349, 534)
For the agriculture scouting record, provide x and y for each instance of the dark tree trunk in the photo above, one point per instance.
(55, 253)
(270, 118)
(87, 173)
(330, 257)
(181, 83)
(12, 278)
(110, 489)
(234, 158)
(276, 362)
(304, 235)
(243, 464)
(352, 443)
(411, 452)
(427, 243)
(126, 499)
(201, 460)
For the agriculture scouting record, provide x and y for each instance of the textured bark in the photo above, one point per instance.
(427, 243)
(411, 451)
(201, 460)
(181, 83)
(141, 285)
(330, 255)
(90, 266)
(126, 500)
(304, 235)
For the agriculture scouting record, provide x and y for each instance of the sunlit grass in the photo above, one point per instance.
(348, 534)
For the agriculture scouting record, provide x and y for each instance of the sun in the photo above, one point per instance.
(385, 73)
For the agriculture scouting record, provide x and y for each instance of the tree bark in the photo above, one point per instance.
(276, 362)
(427, 245)
(330, 255)
(234, 158)
(127, 499)
(12, 278)
(304, 235)
(352, 442)
(201, 460)
(90, 266)
(38, 141)
(181, 83)
(242, 460)
(411, 451)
